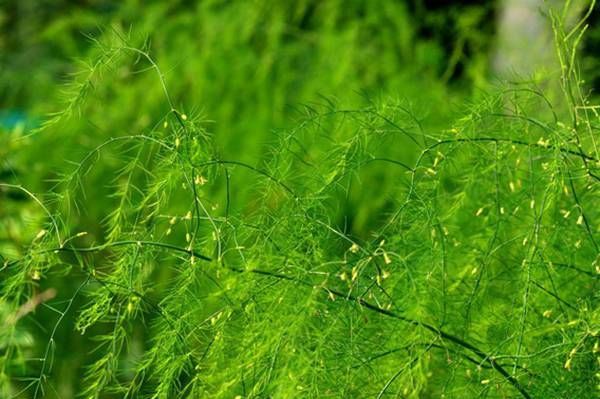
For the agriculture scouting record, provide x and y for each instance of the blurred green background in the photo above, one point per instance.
(248, 69)
(247, 73)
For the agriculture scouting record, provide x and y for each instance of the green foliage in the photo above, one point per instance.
(370, 248)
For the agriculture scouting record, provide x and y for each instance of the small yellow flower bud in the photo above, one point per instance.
(386, 258)
(568, 363)
(200, 180)
(41, 233)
